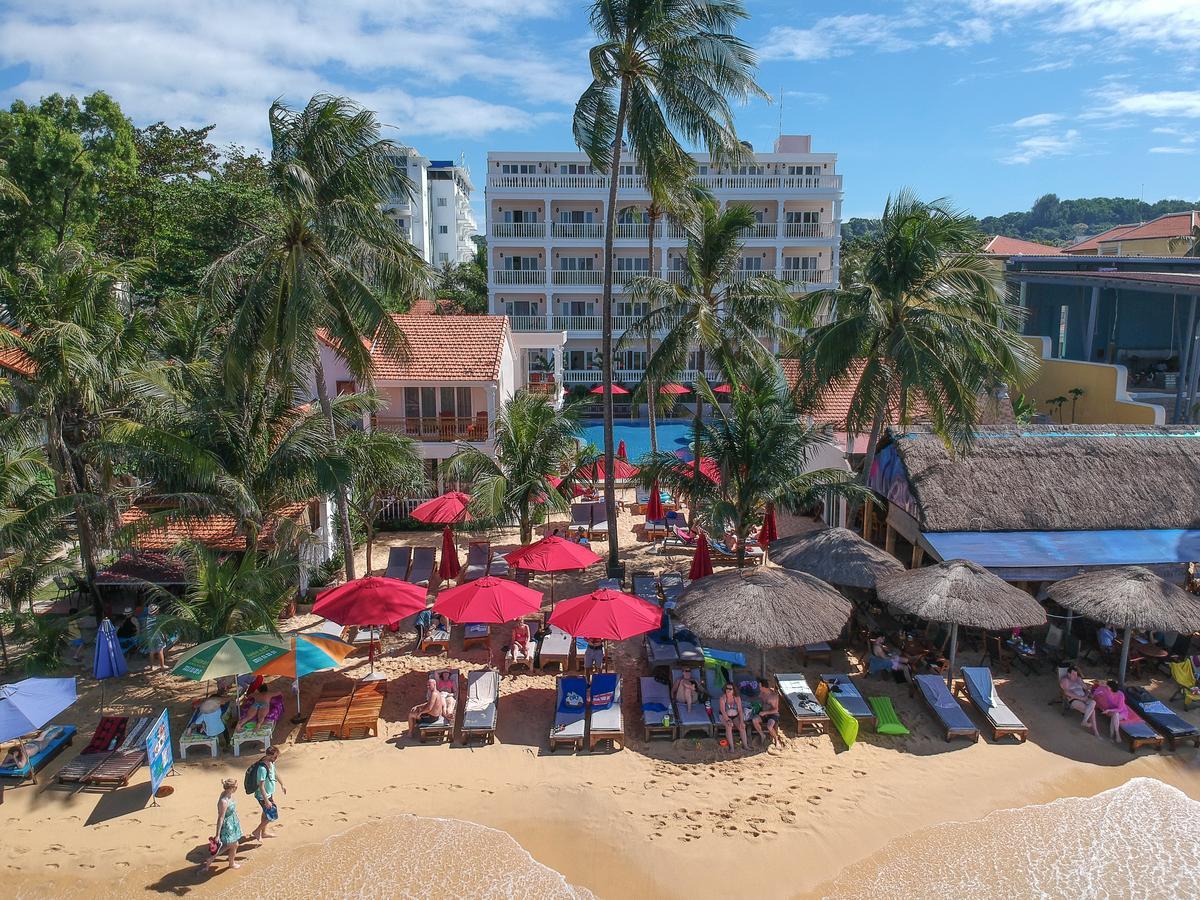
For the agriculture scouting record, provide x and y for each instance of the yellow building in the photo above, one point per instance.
(1173, 234)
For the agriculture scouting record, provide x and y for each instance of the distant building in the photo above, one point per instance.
(437, 217)
(1002, 247)
(1091, 246)
(1168, 235)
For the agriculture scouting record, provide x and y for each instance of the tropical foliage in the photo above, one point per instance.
(382, 464)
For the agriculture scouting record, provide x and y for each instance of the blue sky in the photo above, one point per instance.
(988, 102)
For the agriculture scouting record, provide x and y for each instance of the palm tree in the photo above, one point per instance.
(329, 263)
(660, 65)
(710, 311)
(534, 441)
(384, 464)
(1186, 245)
(924, 323)
(762, 448)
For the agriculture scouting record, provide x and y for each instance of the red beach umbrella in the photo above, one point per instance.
(673, 389)
(447, 509)
(606, 615)
(488, 600)
(448, 568)
(370, 601)
(577, 489)
(701, 561)
(616, 389)
(622, 453)
(552, 554)
(769, 531)
(622, 470)
(654, 509)
(722, 389)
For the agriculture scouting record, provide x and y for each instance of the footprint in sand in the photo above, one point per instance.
(814, 800)
(52, 865)
(122, 865)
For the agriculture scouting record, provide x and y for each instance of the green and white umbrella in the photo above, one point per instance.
(234, 654)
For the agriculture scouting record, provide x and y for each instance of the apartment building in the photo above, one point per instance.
(437, 217)
(545, 218)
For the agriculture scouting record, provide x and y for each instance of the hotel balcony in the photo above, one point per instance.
(578, 276)
(473, 429)
(579, 230)
(807, 276)
(576, 325)
(761, 231)
(740, 183)
(573, 377)
(519, 230)
(519, 276)
(634, 231)
(816, 230)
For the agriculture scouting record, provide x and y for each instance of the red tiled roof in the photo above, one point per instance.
(16, 360)
(999, 245)
(1168, 226)
(1093, 243)
(445, 348)
(834, 405)
(214, 532)
(152, 568)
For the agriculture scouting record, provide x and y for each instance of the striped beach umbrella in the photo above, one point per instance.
(234, 654)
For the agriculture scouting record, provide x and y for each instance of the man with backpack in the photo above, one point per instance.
(261, 780)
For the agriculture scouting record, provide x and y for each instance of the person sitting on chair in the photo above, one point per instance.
(1079, 697)
(257, 711)
(733, 715)
(428, 712)
(686, 690)
(518, 650)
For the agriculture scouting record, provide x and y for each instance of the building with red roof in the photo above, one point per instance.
(999, 245)
(1168, 235)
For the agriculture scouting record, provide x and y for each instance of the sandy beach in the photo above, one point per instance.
(670, 820)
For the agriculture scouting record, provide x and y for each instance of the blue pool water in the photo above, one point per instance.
(672, 436)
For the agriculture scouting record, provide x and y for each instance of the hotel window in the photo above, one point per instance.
(804, 170)
(748, 170)
(578, 359)
(443, 229)
(1062, 331)
(578, 307)
(521, 307)
(520, 264)
(575, 169)
(575, 217)
(518, 169)
(456, 402)
(443, 258)
(631, 360)
(701, 170)
(420, 402)
(520, 216)
(800, 263)
(750, 263)
(441, 201)
(803, 217)
(629, 170)
(632, 215)
(633, 264)
(576, 264)
(632, 310)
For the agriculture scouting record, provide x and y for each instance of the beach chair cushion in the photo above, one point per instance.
(800, 697)
(50, 740)
(656, 700)
(570, 711)
(699, 716)
(982, 690)
(886, 718)
(937, 695)
(1159, 714)
(606, 703)
(847, 694)
(110, 731)
(483, 690)
(398, 561)
(1138, 731)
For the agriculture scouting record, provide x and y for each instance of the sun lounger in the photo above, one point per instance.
(398, 561)
(421, 570)
(481, 712)
(109, 733)
(1139, 734)
(801, 702)
(847, 694)
(1161, 717)
(498, 566)
(443, 726)
(51, 740)
(608, 584)
(366, 703)
(698, 721)
(690, 653)
(672, 579)
(720, 552)
(191, 739)
(332, 629)
(128, 758)
(555, 649)
(950, 715)
(646, 587)
(570, 712)
(655, 528)
(476, 634)
(248, 734)
(677, 538)
(478, 555)
(606, 721)
(436, 641)
(659, 653)
(656, 707)
(980, 689)
(886, 718)
(330, 710)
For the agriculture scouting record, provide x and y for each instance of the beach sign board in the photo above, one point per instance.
(158, 752)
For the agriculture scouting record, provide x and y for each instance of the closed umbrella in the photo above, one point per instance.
(370, 601)
(108, 660)
(448, 568)
(309, 653)
(233, 654)
(654, 509)
(27, 705)
(553, 554)
(769, 530)
(488, 600)
(606, 615)
(701, 562)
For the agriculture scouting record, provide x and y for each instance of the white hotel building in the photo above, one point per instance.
(437, 218)
(545, 216)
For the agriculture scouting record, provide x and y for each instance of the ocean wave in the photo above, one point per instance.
(1138, 840)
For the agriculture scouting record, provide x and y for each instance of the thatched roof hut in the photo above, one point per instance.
(836, 555)
(960, 592)
(764, 607)
(1129, 597)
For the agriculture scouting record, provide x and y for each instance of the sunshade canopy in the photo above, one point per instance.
(309, 653)
(370, 601)
(552, 554)
(488, 600)
(28, 705)
(1129, 597)
(960, 592)
(233, 654)
(447, 509)
(836, 555)
(606, 615)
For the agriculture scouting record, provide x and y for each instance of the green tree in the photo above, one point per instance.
(659, 65)
(63, 155)
(710, 312)
(762, 448)
(465, 284)
(384, 464)
(924, 323)
(533, 442)
(329, 261)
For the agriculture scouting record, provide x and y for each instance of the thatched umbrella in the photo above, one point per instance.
(960, 592)
(764, 607)
(837, 555)
(1129, 597)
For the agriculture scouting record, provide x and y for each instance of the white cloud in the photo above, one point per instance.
(815, 98)
(1041, 120)
(1173, 150)
(1042, 146)
(836, 36)
(1158, 104)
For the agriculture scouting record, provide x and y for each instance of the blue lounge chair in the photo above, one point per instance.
(949, 713)
(51, 741)
(656, 707)
(696, 722)
(570, 712)
(606, 721)
(1161, 717)
(847, 694)
(980, 689)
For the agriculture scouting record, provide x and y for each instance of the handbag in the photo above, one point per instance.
(213, 846)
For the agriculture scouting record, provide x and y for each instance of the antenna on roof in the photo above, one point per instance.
(780, 111)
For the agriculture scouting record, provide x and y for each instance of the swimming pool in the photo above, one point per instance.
(672, 436)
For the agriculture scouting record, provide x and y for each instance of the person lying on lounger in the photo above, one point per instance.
(518, 650)
(1079, 696)
(428, 712)
(733, 715)
(16, 753)
(257, 711)
(686, 690)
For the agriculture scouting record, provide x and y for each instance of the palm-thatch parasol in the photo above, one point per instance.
(764, 607)
(1129, 597)
(960, 592)
(837, 555)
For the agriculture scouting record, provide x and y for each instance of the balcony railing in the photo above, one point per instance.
(627, 276)
(519, 276)
(633, 230)
(808, 230)
(439, 428)
(578, 276)
(529, 323)
(636, 183)
(573, 377)
(806, 276)
(519, 230)
(737, 276)
(576, 323)
(579, 230)
(762, 230)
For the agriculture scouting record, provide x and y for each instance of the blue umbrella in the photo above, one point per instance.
(109, 661)
(28, 705)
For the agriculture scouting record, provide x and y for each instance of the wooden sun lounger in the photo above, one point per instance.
(555, 649)
(398, 562)
(801, 701)
(330, 710)
(443, 727)
(435, 642)
(606, 719)
(85, 763)
(1162, 718)
(950, 716)
(366, 703)
(121, 765)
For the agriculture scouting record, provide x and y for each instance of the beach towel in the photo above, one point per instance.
(982, 689)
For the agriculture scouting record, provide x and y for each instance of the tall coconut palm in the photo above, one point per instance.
(660, 65)
(762, 449)
(710, 311)
(534, 441)
(384, 464)
(329, 263)
(924, 326)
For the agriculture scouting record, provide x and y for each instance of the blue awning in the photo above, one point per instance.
(1035, 549)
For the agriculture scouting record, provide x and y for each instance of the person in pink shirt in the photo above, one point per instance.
(1110, 702)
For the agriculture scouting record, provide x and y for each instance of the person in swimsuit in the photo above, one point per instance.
(258, 710)
(1079, 697)
(518, 650)
(686, 689)
(768, 716)
(229, 828)
(733, 714)
(593, 656)
(445, 682)
(431, 710)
